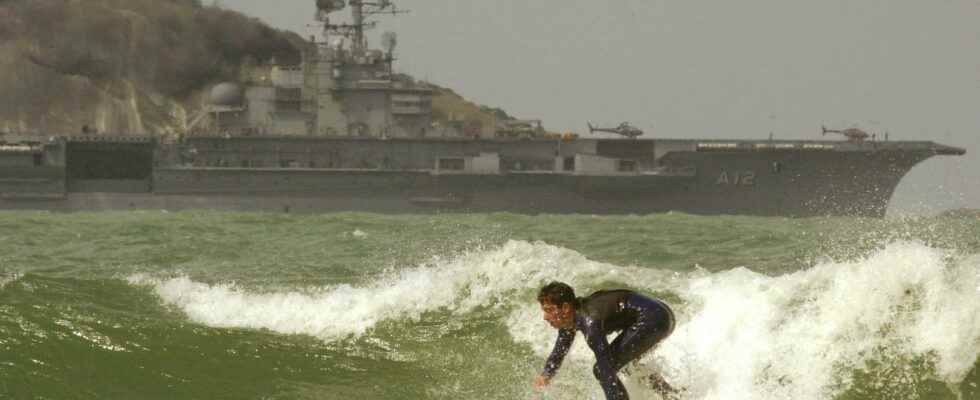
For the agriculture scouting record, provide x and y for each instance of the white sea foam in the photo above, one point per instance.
(6, 279)
(742, 335)
(480, 278)
(745, 335)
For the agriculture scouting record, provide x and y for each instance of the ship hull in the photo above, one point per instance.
(698, 177)
(722, 187)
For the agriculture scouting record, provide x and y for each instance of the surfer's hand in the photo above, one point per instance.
(541, 381)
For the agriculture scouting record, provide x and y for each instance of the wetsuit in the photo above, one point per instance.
(644, 322)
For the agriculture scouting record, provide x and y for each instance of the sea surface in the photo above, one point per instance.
(215, 305)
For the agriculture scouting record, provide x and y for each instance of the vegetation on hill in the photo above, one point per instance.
(141, 67)
(450, 108)
(68, 63)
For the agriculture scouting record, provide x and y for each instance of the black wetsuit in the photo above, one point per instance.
(644, 322)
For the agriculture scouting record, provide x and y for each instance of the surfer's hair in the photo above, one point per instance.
(557, 293)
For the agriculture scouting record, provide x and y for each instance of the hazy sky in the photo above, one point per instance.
(693, 69)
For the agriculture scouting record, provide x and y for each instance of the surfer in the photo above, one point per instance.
(643, 323)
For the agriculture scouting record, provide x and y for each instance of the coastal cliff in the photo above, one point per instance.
(138, 67)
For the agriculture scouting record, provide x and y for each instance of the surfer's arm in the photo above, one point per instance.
(562, 344)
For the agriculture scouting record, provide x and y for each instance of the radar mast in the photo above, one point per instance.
(361, 11)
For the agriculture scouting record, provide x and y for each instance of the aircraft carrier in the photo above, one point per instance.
(342, 132)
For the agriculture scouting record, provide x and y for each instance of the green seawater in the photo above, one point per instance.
(215, 305)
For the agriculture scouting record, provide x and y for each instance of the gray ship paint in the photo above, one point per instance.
(709, 70)
(422, 175)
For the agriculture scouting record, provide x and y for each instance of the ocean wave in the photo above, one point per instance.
(741, 334)
(904, 314)
(475, 279)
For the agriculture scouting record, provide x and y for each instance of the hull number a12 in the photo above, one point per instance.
(736, 178)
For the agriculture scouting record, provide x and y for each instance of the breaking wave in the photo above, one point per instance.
(475, 279)
(904, 313)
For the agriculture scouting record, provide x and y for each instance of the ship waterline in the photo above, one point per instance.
(585, 176)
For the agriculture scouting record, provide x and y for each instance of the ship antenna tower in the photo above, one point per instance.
(361, 11)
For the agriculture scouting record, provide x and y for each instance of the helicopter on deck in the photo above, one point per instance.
(624, 129)
(852, 134)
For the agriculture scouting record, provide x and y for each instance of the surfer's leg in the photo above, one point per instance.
(644, 341)
(654, 323)
(636, 341)
(631, 345)
(628, 345)
(639, 339)
(611, 385)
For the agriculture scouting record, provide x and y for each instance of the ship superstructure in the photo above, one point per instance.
(342, 132)
(342, 87)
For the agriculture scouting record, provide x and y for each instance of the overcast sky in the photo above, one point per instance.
(708, 69)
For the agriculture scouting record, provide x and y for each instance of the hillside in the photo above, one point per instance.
(451, 108)
(139, 67)
(132, 67)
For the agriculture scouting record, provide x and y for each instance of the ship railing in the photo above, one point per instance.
(672, 171)
(537, 172)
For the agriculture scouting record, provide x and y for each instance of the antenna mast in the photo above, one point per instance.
(360, 12)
